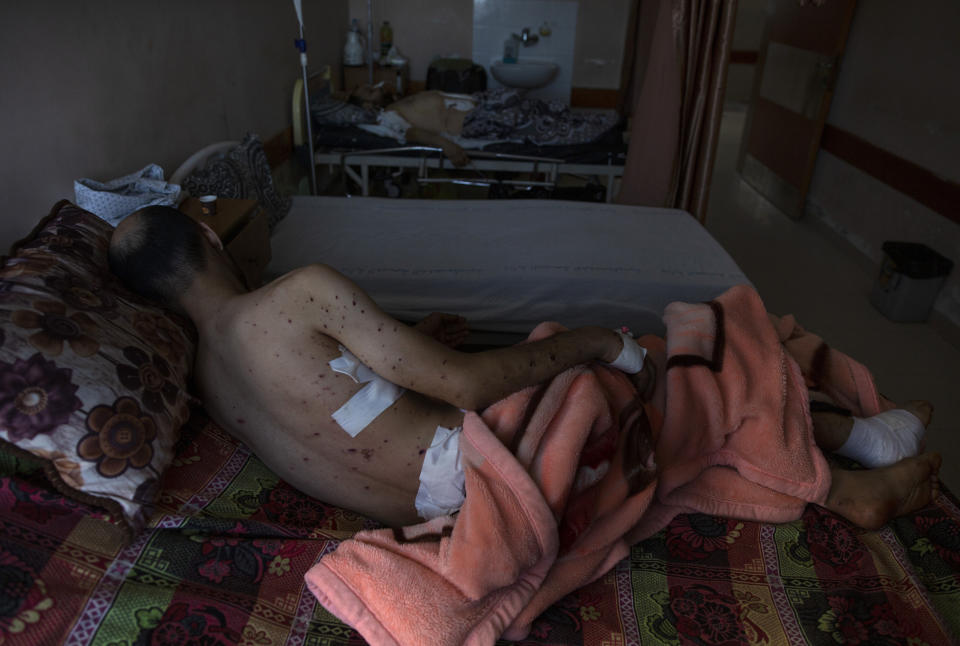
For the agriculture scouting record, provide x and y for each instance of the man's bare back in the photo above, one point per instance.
(263, 372)
(433, 117)
(435, 111)
(265, 376)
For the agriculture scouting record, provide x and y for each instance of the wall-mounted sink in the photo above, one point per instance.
(524, 74)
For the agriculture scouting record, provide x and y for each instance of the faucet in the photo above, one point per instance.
(526, 37)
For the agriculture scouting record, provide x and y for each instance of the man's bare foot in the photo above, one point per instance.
(873, 497)
(921, 409)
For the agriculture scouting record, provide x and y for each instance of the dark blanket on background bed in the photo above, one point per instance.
(500, 114)
(223, 561)
(609, 148)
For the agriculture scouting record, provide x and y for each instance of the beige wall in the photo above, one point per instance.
(747, 37)
(897, 90)
(100, 89)
(601, 34)
(421, 28)
(425, 28)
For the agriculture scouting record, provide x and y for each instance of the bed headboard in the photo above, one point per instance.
(199, 158)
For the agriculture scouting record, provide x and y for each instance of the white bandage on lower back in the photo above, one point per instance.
(461, 102)
(442, 481)
(884, 439)
(368, 402)
(389, 124)
(631, 357)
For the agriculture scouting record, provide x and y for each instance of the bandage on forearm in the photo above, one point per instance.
(631, 357)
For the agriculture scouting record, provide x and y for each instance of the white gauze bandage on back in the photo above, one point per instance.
(389, 124)
(368, 402)
(631, 357)
(442, 479)
(461, 102)
(394, 125)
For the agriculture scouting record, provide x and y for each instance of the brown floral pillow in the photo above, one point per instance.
(92, 377)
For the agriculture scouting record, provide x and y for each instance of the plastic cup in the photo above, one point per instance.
(208, 204)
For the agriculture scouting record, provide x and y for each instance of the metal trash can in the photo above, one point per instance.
(911, 276)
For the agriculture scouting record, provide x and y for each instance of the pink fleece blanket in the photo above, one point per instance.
(560, 478)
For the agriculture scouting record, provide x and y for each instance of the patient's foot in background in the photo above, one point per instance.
(872, 498)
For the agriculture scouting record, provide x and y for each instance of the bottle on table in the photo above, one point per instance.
(353, 49)
(386, 39)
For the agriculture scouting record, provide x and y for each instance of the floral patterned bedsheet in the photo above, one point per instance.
(223, 558)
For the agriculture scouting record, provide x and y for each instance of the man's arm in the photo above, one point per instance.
(449, 329)
(413, 360)
(425, 112)
(455, 153)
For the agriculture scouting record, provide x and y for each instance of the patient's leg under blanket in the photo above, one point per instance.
(505, 114)
(737, 437)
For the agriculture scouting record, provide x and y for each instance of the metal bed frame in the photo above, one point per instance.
(356, 164)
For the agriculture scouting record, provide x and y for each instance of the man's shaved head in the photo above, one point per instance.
(156, 252)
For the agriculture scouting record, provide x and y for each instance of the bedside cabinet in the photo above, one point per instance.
(243, 228)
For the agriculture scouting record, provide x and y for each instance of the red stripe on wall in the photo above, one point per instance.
(924, 186)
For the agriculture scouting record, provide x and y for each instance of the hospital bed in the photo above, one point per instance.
(500, 165)
(507, 265)
(222, 543)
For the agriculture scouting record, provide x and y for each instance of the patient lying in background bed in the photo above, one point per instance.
(454, 122)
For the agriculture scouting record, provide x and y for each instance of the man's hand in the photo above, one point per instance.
(449, 329)
(454, 153)
(457, 155)
(645, 381)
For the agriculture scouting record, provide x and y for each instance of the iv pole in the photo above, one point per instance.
(370, 42)
(301, 45)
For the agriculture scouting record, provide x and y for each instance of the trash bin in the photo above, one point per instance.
(911, 276)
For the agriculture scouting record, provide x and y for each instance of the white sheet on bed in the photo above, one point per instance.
(507, 265)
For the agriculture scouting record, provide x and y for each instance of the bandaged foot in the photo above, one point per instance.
(885, 439)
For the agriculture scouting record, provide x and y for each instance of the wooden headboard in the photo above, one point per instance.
(321, 81)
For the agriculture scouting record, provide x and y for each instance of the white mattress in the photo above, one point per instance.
(507, 265)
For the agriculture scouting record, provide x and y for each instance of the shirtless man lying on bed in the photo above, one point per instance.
(265, 374)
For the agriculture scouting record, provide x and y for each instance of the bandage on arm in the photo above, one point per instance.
(631, 357)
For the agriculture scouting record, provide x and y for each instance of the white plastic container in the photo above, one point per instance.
(911, 276)
(353, 49)
(510, 50)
